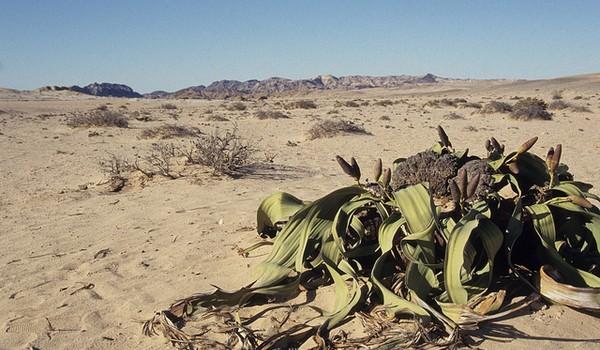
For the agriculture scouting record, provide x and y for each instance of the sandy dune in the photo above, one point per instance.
(81, 268)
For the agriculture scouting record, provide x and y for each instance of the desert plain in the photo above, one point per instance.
(83, 266)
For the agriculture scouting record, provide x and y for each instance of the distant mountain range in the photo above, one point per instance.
(224, 89)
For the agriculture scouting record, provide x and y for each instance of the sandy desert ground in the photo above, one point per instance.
(81, 268)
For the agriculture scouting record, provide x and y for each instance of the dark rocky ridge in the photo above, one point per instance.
(107, 89)
(98, 89)
(233, 88)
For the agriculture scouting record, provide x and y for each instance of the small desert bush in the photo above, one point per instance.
(114, 166)
(383, 103)
(472, 105)
(445, 102)
(384, 117)
(496, 107)
(270, 115)
(170, 131)
(225, 153)
(331, 128)
(531, 108)
(168, 106)
(216, 118)
(582, 109)
(301, 104)
(158, 161)
(351, 104)
(557, 94)
(99, 118)
(558, 105)
(453, 116)
(236, 106)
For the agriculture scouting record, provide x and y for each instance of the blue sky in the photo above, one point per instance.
(169, 45)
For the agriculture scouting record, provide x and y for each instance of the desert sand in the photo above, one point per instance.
(82, 268)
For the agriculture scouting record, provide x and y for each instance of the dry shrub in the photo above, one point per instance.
(557, 94)
(331, 128)
(159, 161)
(216, 118)
(453, 116)
(236, 106)
(168, 106)
(169, 131)
(558, 105)
(301, 104)
(114, 166)
(581, 109)
(351, 104)
(531, 108)
(99, 118)
(383, 103)
(471, 105)
(445, 102)
(384, 117)
(270, 115)
(225, 153)
(496, 107)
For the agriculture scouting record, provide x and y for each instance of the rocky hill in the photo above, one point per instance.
(97, 89)
(233, 88)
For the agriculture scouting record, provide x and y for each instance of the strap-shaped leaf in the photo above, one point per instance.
(395, 304)
(311, 222)
(276, 209)
(461, 283)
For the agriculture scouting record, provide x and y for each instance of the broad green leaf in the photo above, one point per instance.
(276, 209)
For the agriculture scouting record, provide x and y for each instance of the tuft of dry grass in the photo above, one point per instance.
(270, 115)
(99, 118)
(170, 131)
(531, 108)
(331, 128)
(496, 107)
